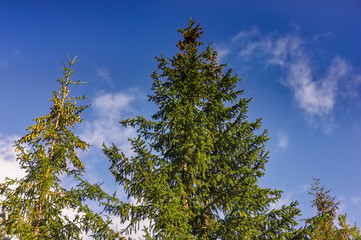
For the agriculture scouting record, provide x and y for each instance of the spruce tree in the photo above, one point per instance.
(33, 206)
(197, 163)
(323, 225)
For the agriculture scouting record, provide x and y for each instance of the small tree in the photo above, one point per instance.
(196, 165)
(33, 206)
(322, 226)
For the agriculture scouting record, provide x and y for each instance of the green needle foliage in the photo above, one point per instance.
(322, 226)
(33, 207)
(197, 163)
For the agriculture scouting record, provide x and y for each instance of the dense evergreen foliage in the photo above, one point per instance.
(197, 163)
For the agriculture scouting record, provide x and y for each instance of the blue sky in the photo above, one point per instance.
(300, 60)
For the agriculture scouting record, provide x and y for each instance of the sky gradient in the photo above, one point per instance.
(299, 60)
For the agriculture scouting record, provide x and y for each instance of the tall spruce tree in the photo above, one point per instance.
(197, 163)
(33, 206)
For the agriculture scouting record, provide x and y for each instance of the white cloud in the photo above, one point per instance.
(316, 98)
(9, 166)
(113, 104)
(109, 109)
(104, 74)
(314, 91)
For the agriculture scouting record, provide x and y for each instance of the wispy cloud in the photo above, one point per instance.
(315, 95)
(316, 98)
(314, 91)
